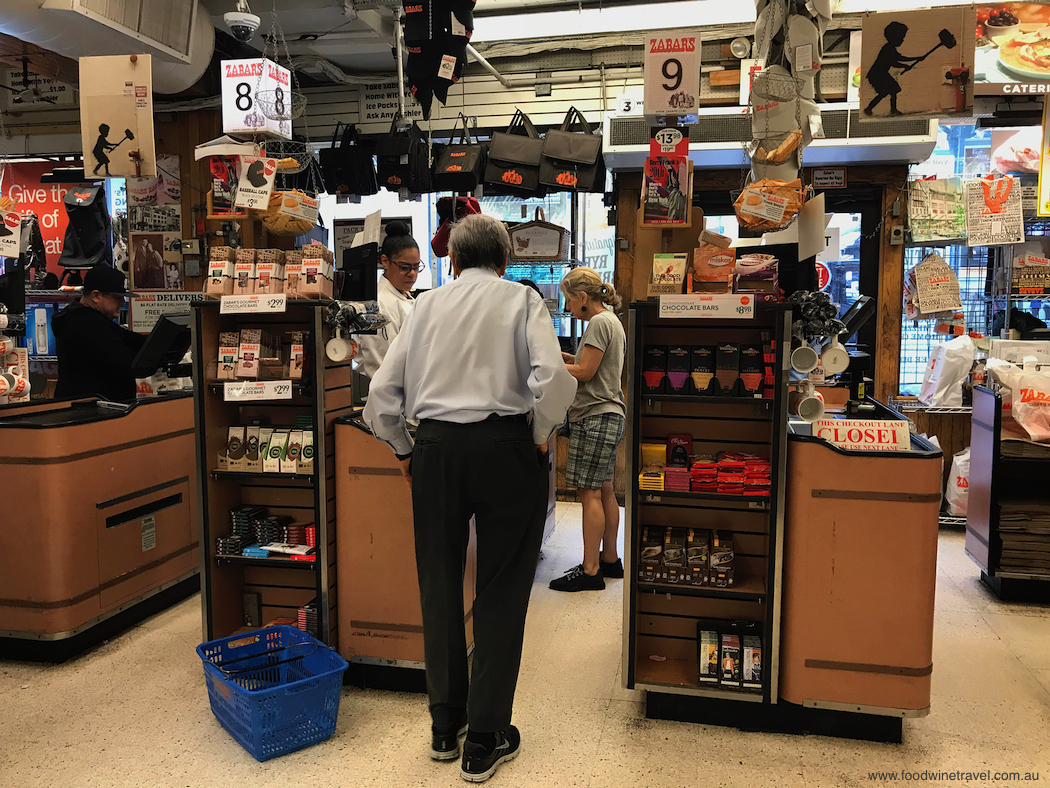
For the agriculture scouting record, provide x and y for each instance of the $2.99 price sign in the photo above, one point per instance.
(248, 390)
(672, 74)
(253, 304)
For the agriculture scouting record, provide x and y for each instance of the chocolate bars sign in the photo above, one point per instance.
(721, 306)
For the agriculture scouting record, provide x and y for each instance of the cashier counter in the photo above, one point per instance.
(859, 573)
(100, 519)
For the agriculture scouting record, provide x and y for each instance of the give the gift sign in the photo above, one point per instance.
(249, 390)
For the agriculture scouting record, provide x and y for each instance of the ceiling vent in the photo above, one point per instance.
(163, 27)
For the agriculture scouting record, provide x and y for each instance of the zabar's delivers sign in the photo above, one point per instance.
(864, 434)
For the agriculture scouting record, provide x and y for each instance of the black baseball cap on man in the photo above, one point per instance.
(106, 280)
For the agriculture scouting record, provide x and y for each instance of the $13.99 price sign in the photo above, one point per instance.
(672, 75)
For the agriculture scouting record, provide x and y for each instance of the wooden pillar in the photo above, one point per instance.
(890, 294)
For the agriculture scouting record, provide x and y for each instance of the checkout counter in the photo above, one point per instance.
(859, 572)
(100, 519)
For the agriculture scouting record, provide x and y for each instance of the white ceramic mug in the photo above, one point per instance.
(806, 402)
(13, 385)
(804, 358)
(834, 358)
(340, 349)
(7, 344)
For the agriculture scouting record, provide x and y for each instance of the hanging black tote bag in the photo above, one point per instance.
(403, 159)
(572, 160)
(460, 165)
(514, 159)
(347, 167)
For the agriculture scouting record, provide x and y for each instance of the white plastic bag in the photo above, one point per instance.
(957, 493)
(949, 365)
(1031, 405)
(1008, 376)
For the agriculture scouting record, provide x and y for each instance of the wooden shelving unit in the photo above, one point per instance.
(660, 620)
(324, 395)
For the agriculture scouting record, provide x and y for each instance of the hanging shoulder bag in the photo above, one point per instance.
(514, 160)
(347, 167)
(572, 160)
(460, 165)
(403, 160)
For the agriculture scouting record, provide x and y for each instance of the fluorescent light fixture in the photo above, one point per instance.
(619, 19)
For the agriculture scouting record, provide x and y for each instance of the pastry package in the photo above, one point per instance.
(713, 264)
(768, 205)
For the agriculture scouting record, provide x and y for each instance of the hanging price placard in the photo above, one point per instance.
(249, 390)
(672, 76)
(253, 304)
(708, 305)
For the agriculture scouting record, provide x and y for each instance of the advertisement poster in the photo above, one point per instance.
(116, 116)
(993, 212)
(666, 192)
(1013, 49)
(147, 308)
(10, 233)
(21, 182)
(256, 183)
(917, 63)
(156, 261)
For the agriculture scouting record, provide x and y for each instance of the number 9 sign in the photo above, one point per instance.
(672, 76)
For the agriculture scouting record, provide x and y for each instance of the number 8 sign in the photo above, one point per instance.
(672, 76)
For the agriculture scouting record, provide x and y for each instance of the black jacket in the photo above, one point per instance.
(94, 354)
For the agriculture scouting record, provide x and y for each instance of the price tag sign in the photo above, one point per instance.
(721, 306)
(253, 304)
(253, 390)
(669, 141)
(672, 75)
(256, 183)
(12, 233)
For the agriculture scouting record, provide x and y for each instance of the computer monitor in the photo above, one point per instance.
(13, 289)
(360, 273)
(165, 347)
(856, 316)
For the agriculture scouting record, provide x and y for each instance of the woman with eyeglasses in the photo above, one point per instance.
(401, 267)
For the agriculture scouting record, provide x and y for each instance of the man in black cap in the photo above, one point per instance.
(94, 353)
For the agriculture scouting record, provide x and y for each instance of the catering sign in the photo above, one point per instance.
(242, 81)
(1013, 49)
(864, 434)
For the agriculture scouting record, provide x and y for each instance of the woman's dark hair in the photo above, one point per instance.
(397, 240)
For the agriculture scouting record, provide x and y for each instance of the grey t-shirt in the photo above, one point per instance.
(602, 393)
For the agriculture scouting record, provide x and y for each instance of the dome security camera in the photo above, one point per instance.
(242, 25)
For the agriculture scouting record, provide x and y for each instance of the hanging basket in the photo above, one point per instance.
(292, 156)
(280, 104)
(282, 223)
(538, 241)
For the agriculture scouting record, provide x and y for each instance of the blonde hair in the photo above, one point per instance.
(583, 280)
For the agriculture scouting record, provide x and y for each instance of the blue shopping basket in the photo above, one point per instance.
(276, 690)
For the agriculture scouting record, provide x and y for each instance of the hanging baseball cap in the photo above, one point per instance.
(105, 280)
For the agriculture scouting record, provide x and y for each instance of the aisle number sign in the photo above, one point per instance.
(672, 76)
(720, 306)
(253, 304)
(242, 80)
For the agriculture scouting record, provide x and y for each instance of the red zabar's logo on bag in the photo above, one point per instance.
(413, 9)
(457, 155)
(393, 179)
(511, 176)
(962, 481)
(672, 44)
(1031, 395)
(567, 179)
(81, 196)
(453, 168)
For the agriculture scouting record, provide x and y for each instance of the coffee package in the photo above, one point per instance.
(751, 673)
(707, 657)
(236, 450)
(654, 369)
(729, 660)
(229, 346)
(651, 557)
(727, 367)
(702, 367)
(721, 574)
(674, 557)
(752, 369)
(697, 557)
(678, 366)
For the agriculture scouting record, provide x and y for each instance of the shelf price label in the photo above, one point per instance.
(255, 390)
(253, 304)
(721, 306)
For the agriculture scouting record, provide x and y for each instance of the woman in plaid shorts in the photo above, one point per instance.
(596, 423)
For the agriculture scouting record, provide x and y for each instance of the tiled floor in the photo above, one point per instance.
(134, 711)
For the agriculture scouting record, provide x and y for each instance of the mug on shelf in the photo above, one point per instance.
(13, 385)
(340, 349)
(804, 358)
(834, 357)
(806, 402)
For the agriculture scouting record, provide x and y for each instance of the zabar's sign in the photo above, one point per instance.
(672, 77)
(864, 434)
(684, 44)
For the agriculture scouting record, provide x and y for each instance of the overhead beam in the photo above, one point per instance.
(382, 24)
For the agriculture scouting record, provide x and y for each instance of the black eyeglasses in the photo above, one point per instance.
(407, 269)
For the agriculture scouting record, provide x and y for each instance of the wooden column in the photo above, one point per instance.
(890, 296)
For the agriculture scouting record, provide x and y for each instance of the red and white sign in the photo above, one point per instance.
(256, 183)
(864, 434)
(670, 141)
(12, 233)
(672, 76)
(21, 182)
(721, 306)
(823, 275)
(241, 113)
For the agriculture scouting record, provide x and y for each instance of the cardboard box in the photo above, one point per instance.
(275, 451)
(722, 556)
(697, 556)
(727, 367)
(236, 450)
(651, 557)
(316, 279)
(253, 461)
(243, 278)
(707, 657)
(269, 278)
(293, 272)
(220, 276)
(702, 367)
(229, 352)
(654, 369)
(729, 661)
(306, 458)
(751, 673)
(674, 557)
(290, 461)
(248, 353)
(297, 356)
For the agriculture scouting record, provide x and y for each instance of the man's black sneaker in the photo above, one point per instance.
(578, 580)
(611, 570)
(480, 760)
(445, 744)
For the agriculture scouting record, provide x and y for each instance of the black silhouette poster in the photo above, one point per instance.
(116, 116)
(917, 63)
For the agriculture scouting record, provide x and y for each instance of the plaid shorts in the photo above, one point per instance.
(592, 450)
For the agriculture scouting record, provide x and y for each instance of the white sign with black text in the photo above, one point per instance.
(241, 111)
(256, 183)
(249, 390)
(708, 305)
(672, 75)
(10, 234)
(253, 304)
